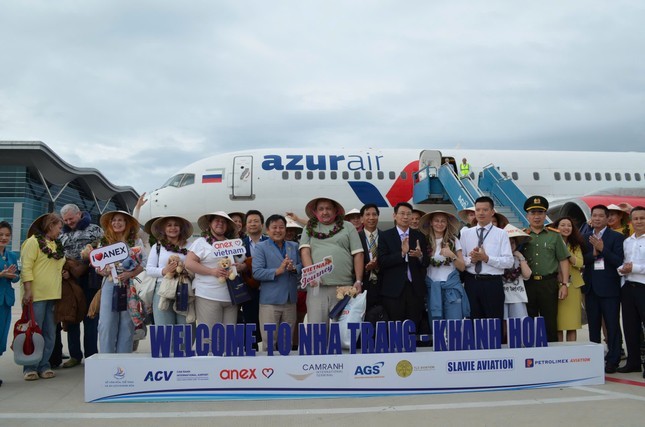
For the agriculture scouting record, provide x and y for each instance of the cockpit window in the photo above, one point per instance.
(189, 179)
(173, 181)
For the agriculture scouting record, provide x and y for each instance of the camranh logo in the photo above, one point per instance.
(119, 374)
(317, 370)
(369, 371)
(404, 368)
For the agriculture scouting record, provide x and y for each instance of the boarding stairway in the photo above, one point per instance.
(437, 183)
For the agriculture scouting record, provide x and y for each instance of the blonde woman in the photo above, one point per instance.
(446, 295)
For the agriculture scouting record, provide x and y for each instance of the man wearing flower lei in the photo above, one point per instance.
(78, 232)
(42, 261)
(116, 327)
(327, 235)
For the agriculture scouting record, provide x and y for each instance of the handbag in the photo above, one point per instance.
(181, 297)
(248, 274)
(238, 291)
(119, 297)
(28, 342)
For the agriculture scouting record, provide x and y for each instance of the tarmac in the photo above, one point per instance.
(60, 401)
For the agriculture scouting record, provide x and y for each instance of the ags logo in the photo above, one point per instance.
(529, 363)
(372, 371)
(158, 376)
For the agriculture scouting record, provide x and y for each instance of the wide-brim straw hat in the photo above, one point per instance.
(106, 219)
(157, 227)
(354, 211)
(36, 227)
(148, 225)
(502, 221)
(311, 207)
(425, 223)
(463, 214)
(292, 224)
(240, 214)
(419, 211)
(204, 221)
(513, 231)
(623, 208)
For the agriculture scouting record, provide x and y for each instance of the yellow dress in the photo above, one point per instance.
(570, 308)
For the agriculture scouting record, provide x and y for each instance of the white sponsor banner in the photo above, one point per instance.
(141, 378)
(226, 248)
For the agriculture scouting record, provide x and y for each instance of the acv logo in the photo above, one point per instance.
(238, 374)
(374, 369)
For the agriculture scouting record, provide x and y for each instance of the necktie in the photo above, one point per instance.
(480, 242)
(373, 251)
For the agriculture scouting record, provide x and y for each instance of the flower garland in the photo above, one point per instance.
(209, 237)
(511, 274)
(42, 243)
(129, 242)
(313, 222)
(173, 248)
(446, 261)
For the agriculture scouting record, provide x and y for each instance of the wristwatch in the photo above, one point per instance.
(565, 284)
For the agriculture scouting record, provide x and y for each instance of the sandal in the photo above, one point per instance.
(47, 374)
(30, 376)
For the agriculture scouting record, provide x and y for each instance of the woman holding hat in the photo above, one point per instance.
(116, 327)
(446, 295)
(515, 296)
(212, 300)
(42, 261)
(570, 308)
(619, 219)
(172, 233)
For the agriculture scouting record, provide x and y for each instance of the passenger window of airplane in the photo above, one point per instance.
(368, 175)
(380, 175)
(298, 175)
(345, 175)
(637, 176)
(567, 176)
(285, 174)
(557, 176)
(310, 175)
(357, 175)
(607, 176)
(628, 176)
(189, 179)
(578, 176)
(536, 176)
(404, 175)
(618, 177)
(392, 175)
(515, 176)
(321, 175)
(333, 175)
(598, 176)
(587, 176)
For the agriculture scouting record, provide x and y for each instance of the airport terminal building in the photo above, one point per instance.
(34, 180)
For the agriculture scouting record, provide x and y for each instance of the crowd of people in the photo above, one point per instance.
(428, 266)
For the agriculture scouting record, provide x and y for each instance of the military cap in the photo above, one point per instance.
(536, 202)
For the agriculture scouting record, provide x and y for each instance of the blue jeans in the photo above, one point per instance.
(44, 313)
(116, 328)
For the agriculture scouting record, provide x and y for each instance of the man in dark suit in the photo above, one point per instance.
(403, 262)
(250, 313)
(602, 283)
(369, 239)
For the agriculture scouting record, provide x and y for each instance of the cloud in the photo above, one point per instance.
(137, 90)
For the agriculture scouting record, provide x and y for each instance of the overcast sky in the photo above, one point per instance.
(138, 89)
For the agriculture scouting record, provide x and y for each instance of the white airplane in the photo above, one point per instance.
(281, 180)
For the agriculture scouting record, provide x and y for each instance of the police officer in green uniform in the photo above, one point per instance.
(545, 252)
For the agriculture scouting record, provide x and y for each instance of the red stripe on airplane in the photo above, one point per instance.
(402, 189)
